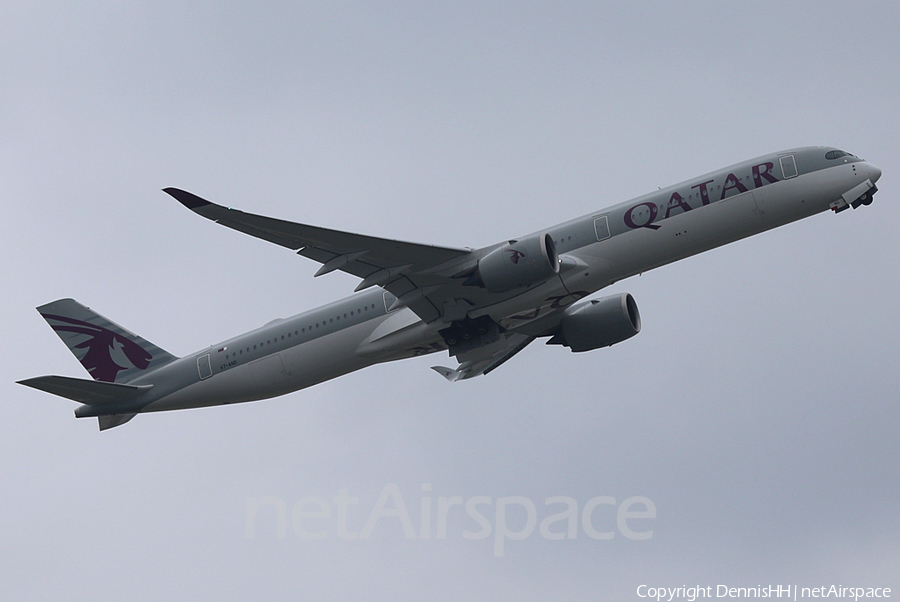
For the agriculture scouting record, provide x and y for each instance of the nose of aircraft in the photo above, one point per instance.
(874, 173)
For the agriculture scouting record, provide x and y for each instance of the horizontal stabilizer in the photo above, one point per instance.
(108, 422)
(90, 392)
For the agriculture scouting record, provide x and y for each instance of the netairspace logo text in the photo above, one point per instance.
(790, 592)
(318, 518)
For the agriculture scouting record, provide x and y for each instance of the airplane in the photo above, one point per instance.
(482, 306)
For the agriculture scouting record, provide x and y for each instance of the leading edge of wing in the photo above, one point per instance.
(365, 254)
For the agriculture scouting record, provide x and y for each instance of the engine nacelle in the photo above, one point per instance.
(518, 263)
(599, 323)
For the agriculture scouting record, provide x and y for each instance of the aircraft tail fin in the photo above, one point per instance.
(107, 351)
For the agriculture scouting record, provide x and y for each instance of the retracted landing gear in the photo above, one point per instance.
(863, 199)
(866, 198)
(471, 333)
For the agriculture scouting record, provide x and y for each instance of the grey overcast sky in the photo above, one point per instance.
(758, 409)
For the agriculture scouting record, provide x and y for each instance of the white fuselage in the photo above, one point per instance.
(595, 251)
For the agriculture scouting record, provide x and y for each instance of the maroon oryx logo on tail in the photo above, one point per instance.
(100, 345)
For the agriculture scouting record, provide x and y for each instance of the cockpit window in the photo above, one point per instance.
(837, 154)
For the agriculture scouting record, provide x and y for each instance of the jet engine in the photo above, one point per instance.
(517, 264)
(598, 323)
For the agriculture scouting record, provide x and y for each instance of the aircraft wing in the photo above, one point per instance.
(485, 359)
(411, 272)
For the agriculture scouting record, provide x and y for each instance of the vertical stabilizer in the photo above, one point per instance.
(106, 350)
